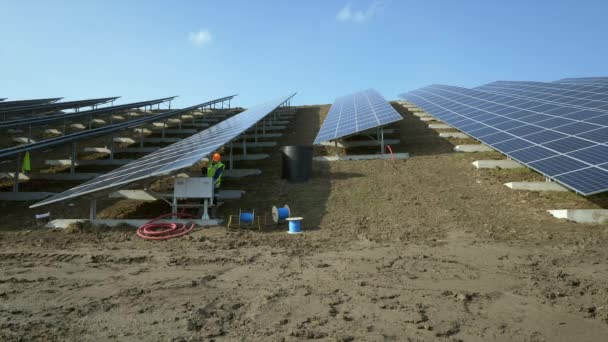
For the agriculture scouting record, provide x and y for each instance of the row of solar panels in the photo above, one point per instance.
(176, 156)
(559, 129)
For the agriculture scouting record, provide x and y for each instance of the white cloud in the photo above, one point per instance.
(200, 38)
(346, 14)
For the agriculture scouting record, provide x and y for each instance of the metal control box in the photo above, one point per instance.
(196, 187)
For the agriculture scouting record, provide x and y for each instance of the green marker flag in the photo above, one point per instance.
(26, 166)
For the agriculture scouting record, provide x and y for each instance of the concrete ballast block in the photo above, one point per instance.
(536, 186)
(582, 215)
(497, 164)
(472, 148)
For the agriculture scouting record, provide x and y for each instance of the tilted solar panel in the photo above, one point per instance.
(565, 143)
(585, 80)
(176, 156)
(573, 95)
(15, 150)
(18, 103)
(356, 113)
(52, 107)
(50, 118)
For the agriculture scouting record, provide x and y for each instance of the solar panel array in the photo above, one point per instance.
(563, 142)
(356, 113)
(50, 118)
(585, 80)
(176, 156)
(575, 95)
(11, 151)
(53, 107)
(19, 103)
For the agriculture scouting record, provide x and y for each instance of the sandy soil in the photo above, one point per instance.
(419, 250)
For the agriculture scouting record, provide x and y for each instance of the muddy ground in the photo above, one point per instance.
(419, 250)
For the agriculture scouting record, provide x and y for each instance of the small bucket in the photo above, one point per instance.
(295, 225)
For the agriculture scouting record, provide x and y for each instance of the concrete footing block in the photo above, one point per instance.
(24, 196)
(472, 148)
(15, 131)
(64, 223)
(118, 117)
(98, 150)
(439, 126)
(428, 119)
(77, 127)
(362, 157)
(52, 131)
(362, 143)
(420, 114)
(582, 215)
(124, 140)
(23, 140)
(141, 130)
(536, 186)
(457, 135)
(497, 164)
(98, 122)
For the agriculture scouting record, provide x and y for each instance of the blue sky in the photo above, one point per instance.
(264, 49)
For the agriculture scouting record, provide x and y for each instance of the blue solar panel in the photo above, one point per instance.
(585, 80)
(544, 136)
(550, 97)
(356, 113)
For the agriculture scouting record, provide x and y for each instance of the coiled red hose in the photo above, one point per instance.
(165, 230)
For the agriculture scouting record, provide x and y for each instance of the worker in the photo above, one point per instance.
(215, 170)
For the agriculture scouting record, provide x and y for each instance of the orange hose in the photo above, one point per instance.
(165, 230)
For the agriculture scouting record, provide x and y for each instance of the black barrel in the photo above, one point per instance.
(297, 163)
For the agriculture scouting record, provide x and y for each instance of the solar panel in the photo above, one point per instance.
(176, 156)
(102, 130)
(562, 142)
(354, 113)
(585, 80)
(18, 103)
(52, 107)
(50, 118)
(574, 95)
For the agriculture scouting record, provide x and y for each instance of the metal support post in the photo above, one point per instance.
(141, 139)
(73, 159)
(65, 127)
(336, 147)
(16, 184)
(230, 158)
(264, 127)
(229, 103)
(93, 209)
(244, 146)
(255, 135)
(112, 148)
(382, 140)
(29, 134)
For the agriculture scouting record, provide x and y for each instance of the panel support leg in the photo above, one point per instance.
(112, 147)
(17, 172)
(244, 146)
(381, 140)
(73, 159)
(93, 209)
(230, 158)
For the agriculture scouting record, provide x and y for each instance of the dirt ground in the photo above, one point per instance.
(422, 249)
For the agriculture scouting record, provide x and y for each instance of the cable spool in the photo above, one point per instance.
(295, 225)
(246, 217)
(280, 214)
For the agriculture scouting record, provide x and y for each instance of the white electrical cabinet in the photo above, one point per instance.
(196, 187)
